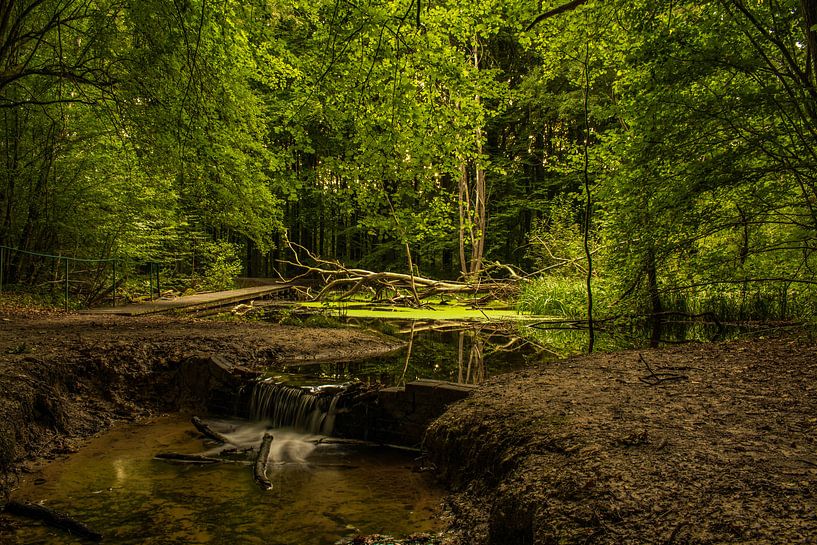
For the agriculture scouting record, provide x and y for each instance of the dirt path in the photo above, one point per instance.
(597, 450)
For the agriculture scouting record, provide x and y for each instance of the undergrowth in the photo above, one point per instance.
(566, 297)
(557, 296)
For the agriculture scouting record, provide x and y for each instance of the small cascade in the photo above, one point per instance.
(305, 409)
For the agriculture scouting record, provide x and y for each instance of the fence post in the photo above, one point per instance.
(150, 275)
(66, 284)
(113, 287)
(158, 286)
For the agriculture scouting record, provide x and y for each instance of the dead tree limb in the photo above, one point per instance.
(187, 458)
(350, 280)
(260, 470)
(209, 432)
(53, 518)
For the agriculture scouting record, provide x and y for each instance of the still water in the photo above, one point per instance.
(463, 352)
(321, 492)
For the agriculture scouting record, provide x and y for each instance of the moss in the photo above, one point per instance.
(432, 312)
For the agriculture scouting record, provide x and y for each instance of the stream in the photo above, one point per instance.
(321, 492)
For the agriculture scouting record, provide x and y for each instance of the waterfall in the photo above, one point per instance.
(305, 409)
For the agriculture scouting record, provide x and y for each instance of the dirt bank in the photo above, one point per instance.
(603, 449)
(66, 377)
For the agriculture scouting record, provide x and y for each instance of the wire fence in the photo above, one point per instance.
(90, 277)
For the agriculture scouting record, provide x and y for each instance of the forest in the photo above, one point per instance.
(331, 271)
(659, 154)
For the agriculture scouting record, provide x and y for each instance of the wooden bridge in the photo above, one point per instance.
(200, 301)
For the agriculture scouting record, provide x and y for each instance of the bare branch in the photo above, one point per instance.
(556, 11)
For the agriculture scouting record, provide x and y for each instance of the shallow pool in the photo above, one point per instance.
(321, 492)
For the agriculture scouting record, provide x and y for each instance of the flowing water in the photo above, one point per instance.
(321, 492)
(305, 409)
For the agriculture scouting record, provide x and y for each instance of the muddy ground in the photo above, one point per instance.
(694, 444)
(697, 444)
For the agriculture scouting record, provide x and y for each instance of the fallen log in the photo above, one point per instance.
(349, 280)
(187, 458)
(52, 518)
(209, 432)
(260, 470)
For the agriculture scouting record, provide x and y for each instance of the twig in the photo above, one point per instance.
(675, 532)
(657, 378)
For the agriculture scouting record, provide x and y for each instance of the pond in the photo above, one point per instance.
(321, 492)
(467, 346)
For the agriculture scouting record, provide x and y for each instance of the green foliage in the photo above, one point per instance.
(221, 266)
(554, 296)
(181, 132)
(556, 240)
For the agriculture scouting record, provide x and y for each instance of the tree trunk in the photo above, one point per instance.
(809, 10)
(655, 299)
(480, 213)
(465, 212)
(472, 202)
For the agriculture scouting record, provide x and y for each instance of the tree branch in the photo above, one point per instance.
(556, 11)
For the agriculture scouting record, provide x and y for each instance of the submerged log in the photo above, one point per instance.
(52, 518)
(187, 458)
(209, 432)
(261, 463)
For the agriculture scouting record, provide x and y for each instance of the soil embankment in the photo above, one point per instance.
(66, 377)
(697, 444)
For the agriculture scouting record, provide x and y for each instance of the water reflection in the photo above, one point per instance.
(469, 352)
(463, 352)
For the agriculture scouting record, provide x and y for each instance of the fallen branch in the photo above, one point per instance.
(358, 443)
(178, 458)
(209, 432)
(657, 378)
(52, 518)
(260, 470)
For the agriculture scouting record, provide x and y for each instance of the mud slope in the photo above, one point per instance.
(597, 450)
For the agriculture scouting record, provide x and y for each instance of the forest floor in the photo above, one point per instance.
(704, 443)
